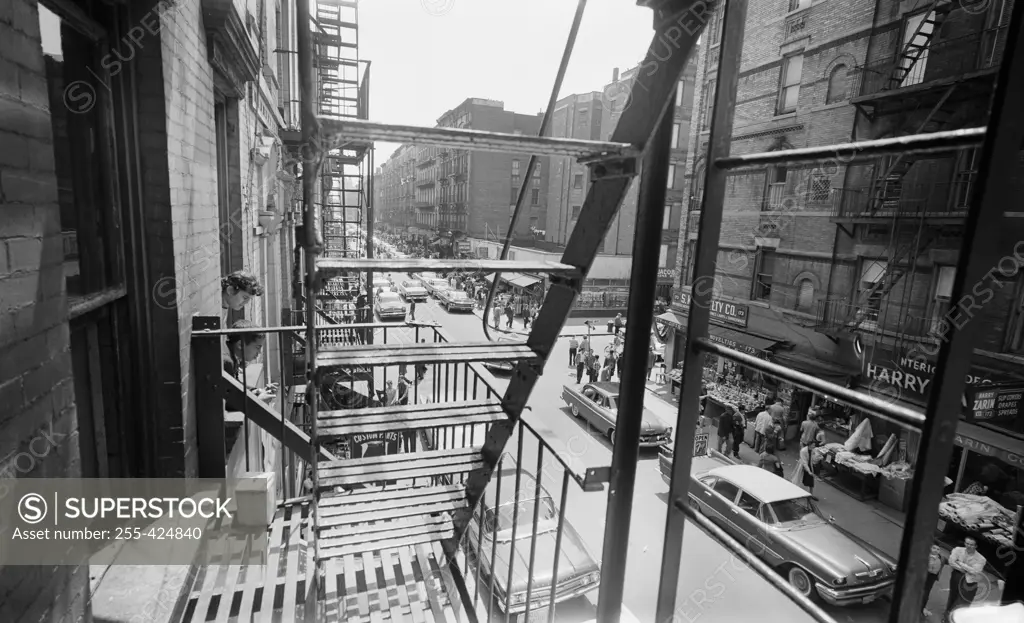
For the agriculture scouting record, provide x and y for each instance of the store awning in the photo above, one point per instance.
(743, 342)
(518, 280)
(673, 319)
(815, 367)
(988, 442)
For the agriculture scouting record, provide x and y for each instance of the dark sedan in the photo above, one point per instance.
(598, 404)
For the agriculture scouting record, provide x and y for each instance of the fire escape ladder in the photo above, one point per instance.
(889, 186)
(917, 44)
(418, 504)
(900, 262)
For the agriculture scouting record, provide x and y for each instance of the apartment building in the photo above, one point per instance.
(394, 191)
(844, 269)
(467, 193)
(131, 184)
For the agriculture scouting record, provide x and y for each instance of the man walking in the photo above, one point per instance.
(619, 322)
(935, 565)
(412, 311)
(762, 426)
(968, 567)
(573, 347)
(496, 316)
(581, 362)
(725, 431)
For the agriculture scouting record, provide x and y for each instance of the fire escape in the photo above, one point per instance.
(402, 536)
(933, 83)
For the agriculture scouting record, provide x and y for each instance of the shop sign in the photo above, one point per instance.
(997, 404)
(912, 377)
(726, 311)
(974, 445)
(700, 444)
(733, 344)
(666, 274)
(374, 444)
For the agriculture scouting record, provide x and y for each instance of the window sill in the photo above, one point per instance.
(784, 116)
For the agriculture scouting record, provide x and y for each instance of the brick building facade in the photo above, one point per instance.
(140, 162)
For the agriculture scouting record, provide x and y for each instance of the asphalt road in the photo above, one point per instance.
(714, 586)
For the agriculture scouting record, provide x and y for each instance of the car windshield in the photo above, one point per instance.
(413, 284)
(795, 510)
(525, 519)
(459, 295)
(439, 283)
(389, 298)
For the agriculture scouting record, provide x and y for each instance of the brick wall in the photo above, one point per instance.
(36, 389)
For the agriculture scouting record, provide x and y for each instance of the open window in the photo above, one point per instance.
(749, 503)
(727, 490)
(870, 291)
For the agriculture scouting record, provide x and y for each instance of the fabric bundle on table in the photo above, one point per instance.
(861, 438)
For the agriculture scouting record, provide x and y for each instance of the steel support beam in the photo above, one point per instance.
(706, 256)
(337, 132)
(639, 317)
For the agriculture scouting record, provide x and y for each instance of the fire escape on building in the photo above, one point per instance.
(406, 536)
(936, 80)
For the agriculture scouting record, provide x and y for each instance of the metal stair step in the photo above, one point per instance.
(379, 505)
(388, 535)
(402, 466)
(356, 129)
(443, 352)
(342, 422)
(321, 38)
(409, 265)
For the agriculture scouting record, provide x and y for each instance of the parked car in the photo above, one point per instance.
(598, 405)
(578, 571)
(780, 523)
(424, 277)
(503, 367)
(389, 305)
(434, 286)
(455, 300)
(412, 290)
(380, 281)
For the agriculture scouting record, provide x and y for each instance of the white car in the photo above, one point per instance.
(412, 290)
(455, 300)
(434, 286)
(381, 282)
(389, 305)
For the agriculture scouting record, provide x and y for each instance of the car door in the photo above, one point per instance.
(589, 406)
(723, 504)
(606, 411)
(749, 528)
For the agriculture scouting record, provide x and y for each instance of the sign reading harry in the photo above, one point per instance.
(374, 444)
(912, 377)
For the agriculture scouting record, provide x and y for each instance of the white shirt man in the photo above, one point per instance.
(968, 570)
(762, 426)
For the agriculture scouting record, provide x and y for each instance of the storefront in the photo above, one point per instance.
(524, 288)
(666, 279)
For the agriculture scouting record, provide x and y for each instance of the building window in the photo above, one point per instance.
(715, 27)
(576, 212)
(777, 178)
(765, 269)
(805, 295)
(966, 177)
(709, 103)
(679, 94)
(789, 84)
(515, 168)
(536, 182)
(796, 5)
(698, 189)
(536, 172)
(944, 276)
(663, 257)
(838, 85)
(821, 187)
(671, 177)
(675, 135)
(870, 291)
(914, 66)
(666, 221)
(577, 181)
(535, 197)
(534, 221)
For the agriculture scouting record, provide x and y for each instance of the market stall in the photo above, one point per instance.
(855, 468)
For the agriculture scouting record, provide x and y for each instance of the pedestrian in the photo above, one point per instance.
(581, 362)
(802, 474)
(574, 346)
(508, 315)
(769, 461)
(619, 322)
(421, 368)
(809, 429)
(390, 393)
(526, 319)
(778, 411)
(403, 390)
(585, 344)
(762, 428)
(606, 371)
(620, 359)
(725, 431)
(595, 367)
(935, 564)
(412, 311)
(650, 362)
(496, 316)
(968, 569)
(739, 424)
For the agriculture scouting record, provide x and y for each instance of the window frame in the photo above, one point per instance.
(663, 256)
(830, 96)
(784, 87)
(671, 179)
(666, 220)
(758, 285)
(676, 129)
(577, 181)
(722, 481)
(709, 104)
(575, 212)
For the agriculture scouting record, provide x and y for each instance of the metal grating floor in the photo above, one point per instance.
(401, 584)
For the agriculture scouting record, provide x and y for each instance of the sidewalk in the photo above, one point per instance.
(574, 326)
(869, 520)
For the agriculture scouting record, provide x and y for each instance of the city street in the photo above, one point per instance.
(713, 585)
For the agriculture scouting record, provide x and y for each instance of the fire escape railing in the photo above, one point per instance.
(985, 241)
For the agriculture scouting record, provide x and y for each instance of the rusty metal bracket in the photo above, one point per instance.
(612, 167)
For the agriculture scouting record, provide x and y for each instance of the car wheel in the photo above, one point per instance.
(800, 581)
(575, 411)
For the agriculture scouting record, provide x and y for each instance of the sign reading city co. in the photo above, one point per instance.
(733, 313)
(995, 403)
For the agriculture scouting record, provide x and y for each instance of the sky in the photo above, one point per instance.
(427, 56)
